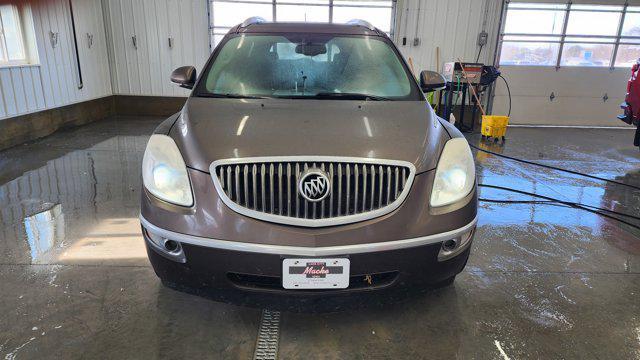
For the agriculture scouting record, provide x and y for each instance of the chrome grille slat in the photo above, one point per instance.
(305, 205)
(271, 187)
(314, 206)
(331, 195)
(373, 186)
(254, 177)
(288, 189)
(280, 189)
(229, 183)
(395, 188)
(222, 181)
(356, 176)
(339, 208)
(324, 201)
(347, 201)
(388, 185)
(271, 190)
(364, 188)
(380, 179)
(237, 188)
(262, 189)
(245, 180)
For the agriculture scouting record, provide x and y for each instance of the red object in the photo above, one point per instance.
(631, 105)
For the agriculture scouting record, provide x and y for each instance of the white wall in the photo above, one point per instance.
(450, 25)
(145, 70)
(112, 60)
(53, 82)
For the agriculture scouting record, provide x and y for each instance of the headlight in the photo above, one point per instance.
(164, 173)
(455, 175)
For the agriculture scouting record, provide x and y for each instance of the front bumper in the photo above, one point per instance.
(205, 264)
(222, 254)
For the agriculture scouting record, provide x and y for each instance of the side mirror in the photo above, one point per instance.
(184, 76)
(432, 81)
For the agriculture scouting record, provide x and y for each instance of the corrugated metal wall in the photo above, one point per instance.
(143, 69)
(52, 83)
(452, 26)
(142, 66)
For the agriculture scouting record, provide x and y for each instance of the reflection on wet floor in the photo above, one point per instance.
(67, 205)
(541, 237)
(543, 281)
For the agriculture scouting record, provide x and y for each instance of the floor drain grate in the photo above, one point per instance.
(268, 335)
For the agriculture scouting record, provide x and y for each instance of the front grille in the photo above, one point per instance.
(266, 188)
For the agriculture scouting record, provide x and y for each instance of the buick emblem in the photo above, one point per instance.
(314, 185)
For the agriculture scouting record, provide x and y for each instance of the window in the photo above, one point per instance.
(629, 47)
(570, 35)
(227, 13)
(307, 66)
(12, 50)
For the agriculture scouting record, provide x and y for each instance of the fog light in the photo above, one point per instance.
(450, 245)
(171, 246)
(453, 247)
(167, 248)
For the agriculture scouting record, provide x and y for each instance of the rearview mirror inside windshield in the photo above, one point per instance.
(311, 49)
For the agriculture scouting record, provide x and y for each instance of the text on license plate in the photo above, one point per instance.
(315, 273)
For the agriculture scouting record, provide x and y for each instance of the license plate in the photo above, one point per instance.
(315, 273)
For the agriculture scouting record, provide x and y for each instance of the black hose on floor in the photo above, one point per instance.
(569, 204)
(588, 208)
(555, 168)
(550, 202)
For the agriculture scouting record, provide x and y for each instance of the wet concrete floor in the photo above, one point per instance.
(542, 282)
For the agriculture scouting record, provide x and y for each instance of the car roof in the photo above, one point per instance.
(313, 28)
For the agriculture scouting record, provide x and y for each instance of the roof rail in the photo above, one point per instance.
(252, 20)
(363, 23)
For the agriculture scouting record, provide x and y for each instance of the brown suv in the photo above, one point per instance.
(307, 161)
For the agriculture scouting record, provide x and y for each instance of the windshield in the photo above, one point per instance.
(307, 66)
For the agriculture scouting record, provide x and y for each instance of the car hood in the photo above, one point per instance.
(212, 129)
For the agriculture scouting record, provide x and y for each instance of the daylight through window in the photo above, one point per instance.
(225, 14)
(541, 34)
(12, 51)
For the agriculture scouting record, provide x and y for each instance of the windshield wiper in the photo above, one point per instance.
(349, 96)
(231, 96)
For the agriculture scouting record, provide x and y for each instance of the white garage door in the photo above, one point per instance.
(567, 63)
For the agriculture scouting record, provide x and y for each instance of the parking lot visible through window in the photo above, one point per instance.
(545, 34)
(12, 50)
(224, 14)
